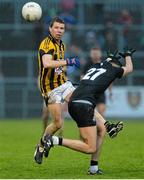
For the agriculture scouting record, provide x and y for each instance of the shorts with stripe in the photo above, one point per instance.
(59, 94)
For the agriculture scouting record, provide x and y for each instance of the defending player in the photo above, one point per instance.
(96, 57)
(83, 101)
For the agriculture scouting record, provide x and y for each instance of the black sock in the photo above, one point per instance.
(41, 142)
(94, 163)
(60, 141)
(107, 125)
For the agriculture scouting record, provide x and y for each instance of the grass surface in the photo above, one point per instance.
(122, 157)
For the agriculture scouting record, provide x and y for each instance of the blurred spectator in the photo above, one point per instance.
(73, 72)
(110, 41)
(90, 40)
(67, 8)
(48, 17)
(126, 20)
(70, 20)
(67, 5)
(100, 39)
(125, 17)
(47, 21)
(110, 38)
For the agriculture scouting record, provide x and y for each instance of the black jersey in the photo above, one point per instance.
(86, 67)
(96, 81)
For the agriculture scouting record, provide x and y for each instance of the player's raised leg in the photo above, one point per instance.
(88, 145)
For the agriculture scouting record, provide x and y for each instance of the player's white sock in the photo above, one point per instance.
(94, 168)
(55, 140)
(41, 149)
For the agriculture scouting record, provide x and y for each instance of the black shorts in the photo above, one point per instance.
(101, 99)
(82, 113)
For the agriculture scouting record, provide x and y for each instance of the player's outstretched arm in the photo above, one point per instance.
(127, 55)
(128, 68)
(48, 62)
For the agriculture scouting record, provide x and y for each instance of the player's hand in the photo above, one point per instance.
(113, 56)
(127, 52)
(73, 62)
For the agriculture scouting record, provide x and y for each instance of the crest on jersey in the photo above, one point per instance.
(59, 70)
(134, 98)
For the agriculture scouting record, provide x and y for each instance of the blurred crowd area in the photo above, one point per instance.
(108, 24)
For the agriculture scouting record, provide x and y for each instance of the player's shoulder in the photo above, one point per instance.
(96, 65)
(46, 44)
(106, 65)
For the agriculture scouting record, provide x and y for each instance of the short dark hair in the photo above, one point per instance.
(56, 19)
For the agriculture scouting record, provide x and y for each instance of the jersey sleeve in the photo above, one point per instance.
(46, 47)
(119, 72)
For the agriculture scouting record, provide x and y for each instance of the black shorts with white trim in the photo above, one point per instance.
(82, 112)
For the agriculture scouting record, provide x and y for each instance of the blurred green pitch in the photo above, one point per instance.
(122, 157)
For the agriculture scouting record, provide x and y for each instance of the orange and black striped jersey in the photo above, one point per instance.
(50, 78)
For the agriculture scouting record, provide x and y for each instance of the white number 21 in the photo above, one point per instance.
(93, 73)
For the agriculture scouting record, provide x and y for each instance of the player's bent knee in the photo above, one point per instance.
(91, 150)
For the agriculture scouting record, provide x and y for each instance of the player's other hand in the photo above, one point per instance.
(127, 52)
(113, 56)
(73, 62)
